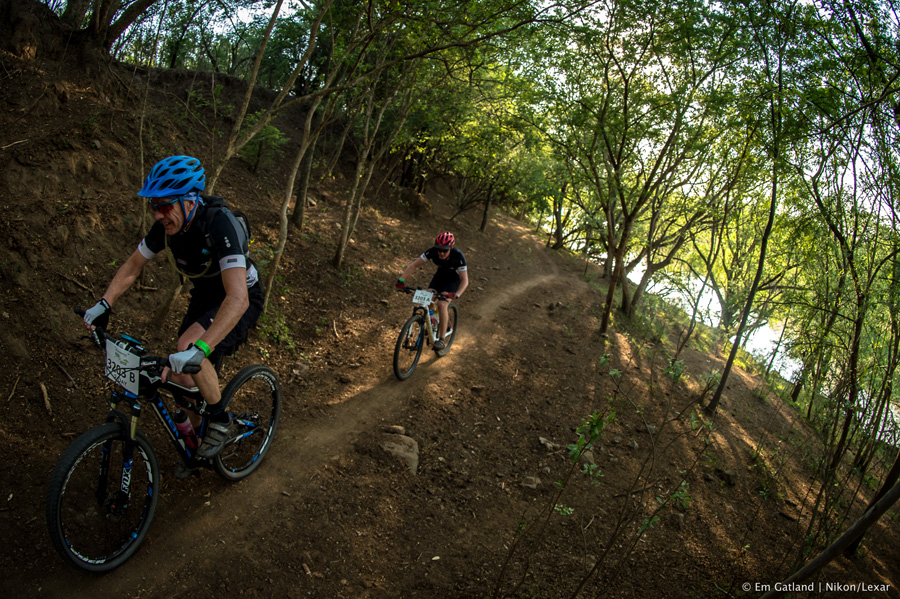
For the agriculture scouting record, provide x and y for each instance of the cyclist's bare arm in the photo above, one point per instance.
(233, 306)
(412, 266)
(463, 282)
(125, 276)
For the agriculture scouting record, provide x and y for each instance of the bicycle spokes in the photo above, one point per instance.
(100, 505)
(254, 400)
(409, 347)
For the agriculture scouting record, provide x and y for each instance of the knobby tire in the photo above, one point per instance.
(253, 399)
(409, 347)
(453, 316)
(86, 525)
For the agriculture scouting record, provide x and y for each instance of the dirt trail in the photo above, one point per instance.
(330, 514)
(226, 524)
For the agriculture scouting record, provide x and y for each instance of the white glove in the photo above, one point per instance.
(187, 361)
(98, 315)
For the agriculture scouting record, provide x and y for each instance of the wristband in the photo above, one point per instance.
(202, 345)
(400, 280)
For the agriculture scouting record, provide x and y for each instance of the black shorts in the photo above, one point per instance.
(202, 311)
(443, 282)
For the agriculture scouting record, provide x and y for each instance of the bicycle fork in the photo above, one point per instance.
(123, 495)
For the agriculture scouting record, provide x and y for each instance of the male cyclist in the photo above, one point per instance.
(450, 280)
(208, 247)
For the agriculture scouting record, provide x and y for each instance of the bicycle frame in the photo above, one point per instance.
(149, 378)
(424, 309)
(104, 488)
(157, 403)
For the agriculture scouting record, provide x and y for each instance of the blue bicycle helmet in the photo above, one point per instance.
(174, 176)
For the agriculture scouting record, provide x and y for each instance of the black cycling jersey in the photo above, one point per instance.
(213, 243)
(447, 276)
(455, 261)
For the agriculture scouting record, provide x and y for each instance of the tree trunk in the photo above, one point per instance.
(745, 315)
(846, 540)
(283, 231)
(618, 271)
(717, 396)
(777, 348)
(303, 189)
(890, 481)
(75, 13)
(338, 151)
(347, 218)
(558, 232)
(231, 146)
(798, 386)
(487, 209)
(710, 259)
(236, 139)
(775, 102)
(853, 392)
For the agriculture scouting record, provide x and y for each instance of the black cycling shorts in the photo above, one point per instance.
(444, 281)
(202, 312)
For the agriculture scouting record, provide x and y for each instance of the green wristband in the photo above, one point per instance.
(202, 345)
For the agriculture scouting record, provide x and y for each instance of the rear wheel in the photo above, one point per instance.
(451, 330)
(93, 523)
(409, 347)
(254, 402)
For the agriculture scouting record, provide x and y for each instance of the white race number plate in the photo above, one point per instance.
(122, 367)
(423, 297)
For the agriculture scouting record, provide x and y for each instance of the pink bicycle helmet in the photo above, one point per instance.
(444, 240)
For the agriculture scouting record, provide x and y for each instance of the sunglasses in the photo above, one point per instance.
(164, 207)
(442, 250)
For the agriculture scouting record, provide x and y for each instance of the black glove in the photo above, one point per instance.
(98, 316)
(400, 284)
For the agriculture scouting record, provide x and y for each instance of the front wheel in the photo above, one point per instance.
(409, 346)
(452, 317)
(94, 522)
(253, 399)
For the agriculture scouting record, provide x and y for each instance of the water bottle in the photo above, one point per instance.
(433, 319)
(184, 426)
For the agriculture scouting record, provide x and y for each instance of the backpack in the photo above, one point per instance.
(215, 204)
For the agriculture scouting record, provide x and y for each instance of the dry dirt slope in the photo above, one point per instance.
(330, 514)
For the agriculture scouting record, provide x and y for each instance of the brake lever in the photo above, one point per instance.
(93, 338)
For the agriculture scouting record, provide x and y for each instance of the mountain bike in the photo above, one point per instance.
(104, 490)
(419, 330)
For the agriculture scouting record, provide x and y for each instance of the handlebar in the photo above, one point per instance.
(407, 289)
(153, 365)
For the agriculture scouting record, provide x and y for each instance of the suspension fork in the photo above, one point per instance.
(130, 427)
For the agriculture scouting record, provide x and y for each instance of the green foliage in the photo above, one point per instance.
(265, 148)
(649, 522)
(766, 475)
(681, 496)
(205, 109)
(588, 433)
(674, 370)
(710, 381)
(274, 328)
